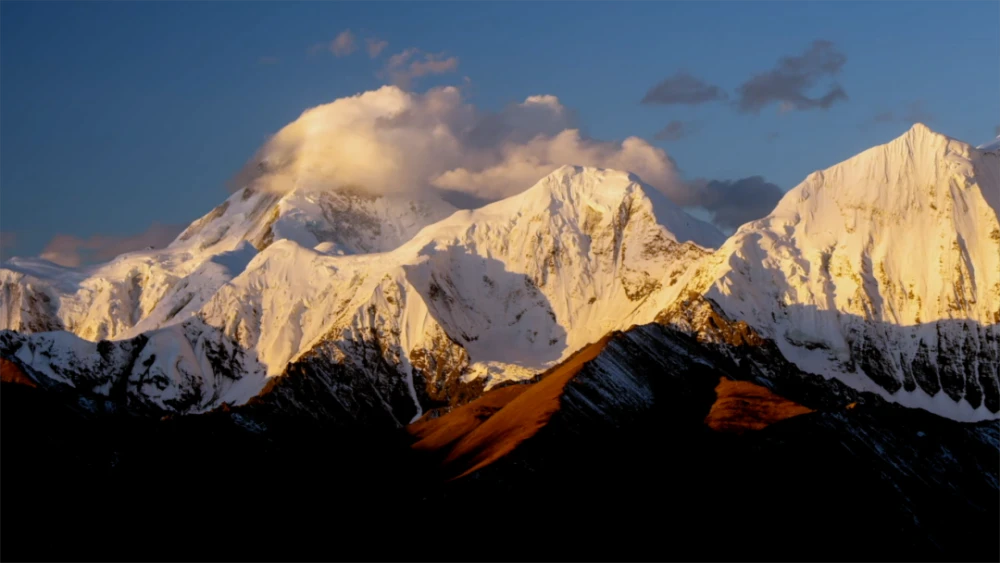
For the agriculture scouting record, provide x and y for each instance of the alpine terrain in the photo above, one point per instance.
(426, 372)
(418, 306)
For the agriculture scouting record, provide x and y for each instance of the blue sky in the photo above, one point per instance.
(114, 116)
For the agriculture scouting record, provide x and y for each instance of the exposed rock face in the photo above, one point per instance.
(639, 425)
(27, 308)
(881, 271)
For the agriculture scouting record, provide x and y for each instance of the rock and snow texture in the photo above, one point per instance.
(497, 293)
(882, 271)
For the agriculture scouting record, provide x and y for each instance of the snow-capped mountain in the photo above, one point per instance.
(480, 297)
(143, 290)
(882, 271)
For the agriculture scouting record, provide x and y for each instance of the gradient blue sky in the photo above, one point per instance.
(117, 115)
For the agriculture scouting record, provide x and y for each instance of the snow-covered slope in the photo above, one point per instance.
(144, 290)
(990, 146)
(882, 271)
(493, 294)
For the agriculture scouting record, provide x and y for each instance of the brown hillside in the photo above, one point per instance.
(742, 406)
(10, 373)
(485, 430)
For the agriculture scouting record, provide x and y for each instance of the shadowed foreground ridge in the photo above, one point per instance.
(627, 456)
(631, 452)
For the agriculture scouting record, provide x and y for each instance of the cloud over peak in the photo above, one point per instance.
(789, 82)
(394, 141)
(913, 112)
(391, 140)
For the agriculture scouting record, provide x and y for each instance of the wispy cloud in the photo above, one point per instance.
(683, 88)
(344, 44)
(913, 112)
(268, 60)
(789, 82)
(883, 117)
(8, 240)
(916, 112)
(341, 46)
(72, 251)
(405, 66)
(375, 46)
(675, 130)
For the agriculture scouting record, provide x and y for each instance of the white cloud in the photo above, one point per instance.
(518, 166)
(390, 140)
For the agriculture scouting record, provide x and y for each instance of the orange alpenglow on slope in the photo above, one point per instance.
(10, 373)
(741, 406)
(481, 432)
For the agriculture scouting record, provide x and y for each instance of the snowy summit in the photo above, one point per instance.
(429, 305)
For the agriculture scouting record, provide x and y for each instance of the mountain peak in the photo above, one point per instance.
(919, 132)
(832, 273)
(590, 179)
(919, 128)
(608, 189)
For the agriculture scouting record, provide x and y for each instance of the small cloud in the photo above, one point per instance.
(916, 113)
(375, 46)
(913, 112)
(413, 63)
(996, 130)
(772, 136)
(883, 117)
(8, 240)
(343, 44)
(675, 130)
(735, 202)
(789, 81)
(683, 88)
(268, 60)
(71, 251)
